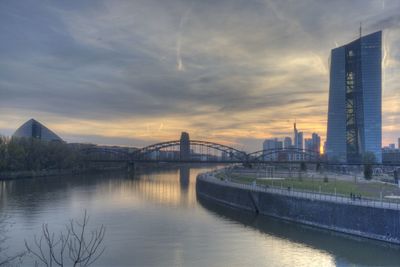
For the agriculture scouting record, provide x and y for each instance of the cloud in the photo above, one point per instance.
(250, 67)
(387, 22)
(182, 22)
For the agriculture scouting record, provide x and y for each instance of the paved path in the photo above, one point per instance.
(304, 194)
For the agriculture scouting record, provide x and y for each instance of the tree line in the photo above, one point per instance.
(21, 154)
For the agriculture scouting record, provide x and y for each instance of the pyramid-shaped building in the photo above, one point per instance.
(34, 129)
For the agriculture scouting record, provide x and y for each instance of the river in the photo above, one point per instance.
(153, 218)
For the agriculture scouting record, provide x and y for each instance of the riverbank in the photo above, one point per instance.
(14, 175)
(365, 218)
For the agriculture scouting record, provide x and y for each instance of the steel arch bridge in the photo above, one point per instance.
(200, 151)
(103, 150)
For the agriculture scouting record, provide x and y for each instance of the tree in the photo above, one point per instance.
(318, 167)
(16, 156)
(74, 247)
(3, 153)
(31, 154)
(303, 166)
(368, 159)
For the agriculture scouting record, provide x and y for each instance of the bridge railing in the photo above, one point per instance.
(200, 150)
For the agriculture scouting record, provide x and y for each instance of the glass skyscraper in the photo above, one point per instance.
(355, 100)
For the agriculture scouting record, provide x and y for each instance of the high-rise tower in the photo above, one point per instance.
(355, 100)
(184, 146)
(298, 138)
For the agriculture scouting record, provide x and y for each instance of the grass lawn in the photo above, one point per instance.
(366, 189)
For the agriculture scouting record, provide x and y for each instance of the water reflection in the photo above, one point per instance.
(162, 188)
(184, 174)
(153, 219)
(345, 248)
(156, 185)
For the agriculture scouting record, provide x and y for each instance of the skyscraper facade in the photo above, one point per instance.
(316, 143)
(269, 145)
(184, 147)
(355, 100)
(308, 144)
(287, 142)
(298, 138)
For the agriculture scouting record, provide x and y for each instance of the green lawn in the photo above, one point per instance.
(370, 189)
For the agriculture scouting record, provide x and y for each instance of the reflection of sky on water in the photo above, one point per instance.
(153, 219)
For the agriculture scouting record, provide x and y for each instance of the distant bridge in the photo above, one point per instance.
(197, 151)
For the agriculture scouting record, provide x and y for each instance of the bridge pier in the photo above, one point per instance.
(131, 166)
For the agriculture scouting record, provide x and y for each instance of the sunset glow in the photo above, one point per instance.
(133, 73)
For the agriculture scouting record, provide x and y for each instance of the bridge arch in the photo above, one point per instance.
(197, 147)
(104, 153)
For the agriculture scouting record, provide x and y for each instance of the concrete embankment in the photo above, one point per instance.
(366, 219)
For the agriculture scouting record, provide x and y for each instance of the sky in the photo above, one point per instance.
(142, 71)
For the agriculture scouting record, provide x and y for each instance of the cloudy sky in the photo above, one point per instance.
(141, 71)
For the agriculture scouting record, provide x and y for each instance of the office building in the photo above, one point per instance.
(298, 138)
(316, 143)
(355, 100)
(390, 155)
(184, 147)
(270, 146)
(308, 144)
(287, 142)
(298, 144)
(312, 146)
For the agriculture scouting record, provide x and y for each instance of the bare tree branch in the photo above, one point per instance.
(5, 259)
(82, 249)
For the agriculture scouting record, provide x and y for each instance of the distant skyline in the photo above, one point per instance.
(138, 72)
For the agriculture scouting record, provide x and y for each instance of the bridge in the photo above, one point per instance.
(185, 150)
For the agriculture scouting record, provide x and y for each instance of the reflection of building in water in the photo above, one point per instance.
(166, 188)
(184, 177)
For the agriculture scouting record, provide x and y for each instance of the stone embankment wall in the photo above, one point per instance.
(366, 221)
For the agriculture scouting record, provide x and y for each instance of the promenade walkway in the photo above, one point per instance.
(312, 195)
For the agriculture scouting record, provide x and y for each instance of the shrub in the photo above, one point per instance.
(368, 171)
(303, 167)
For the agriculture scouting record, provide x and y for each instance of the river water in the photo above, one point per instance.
(153, 218)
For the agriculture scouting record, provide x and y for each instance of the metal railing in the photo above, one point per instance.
(306, 194)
